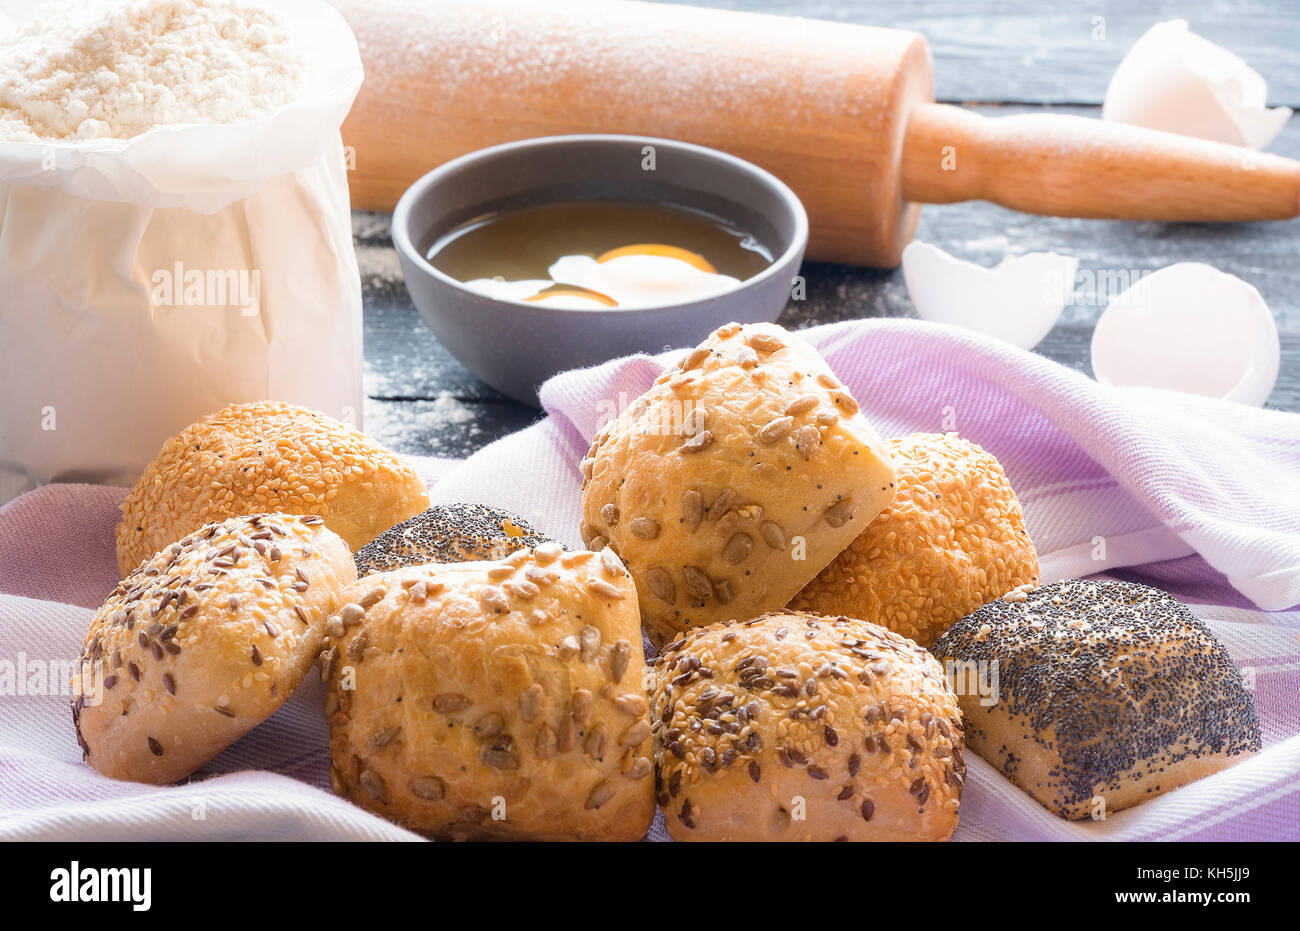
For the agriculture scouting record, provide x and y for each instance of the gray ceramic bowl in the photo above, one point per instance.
(514, 346)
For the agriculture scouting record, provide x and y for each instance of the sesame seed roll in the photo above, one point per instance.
(952, 538)
(262, 457)
(448, 533)
(799, 727)
(486, 700)
(733, 480)
(204, 641)
(1105, 690)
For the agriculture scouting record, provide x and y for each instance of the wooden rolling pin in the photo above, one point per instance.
(843, 114)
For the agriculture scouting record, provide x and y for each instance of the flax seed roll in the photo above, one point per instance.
(799, 727)
(261, 457)
(730, 483)
(1107, 694)
(487, 700)
(952, 538)
(204, 641)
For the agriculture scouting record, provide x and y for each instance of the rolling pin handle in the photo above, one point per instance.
(1072, 166)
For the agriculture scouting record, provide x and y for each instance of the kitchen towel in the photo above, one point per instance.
(1198, 497)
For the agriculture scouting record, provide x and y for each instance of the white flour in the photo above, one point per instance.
(178, 270)
(448, 410)
(102, 69)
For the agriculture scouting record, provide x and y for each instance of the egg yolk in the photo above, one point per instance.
(574, 292)
(658, 248)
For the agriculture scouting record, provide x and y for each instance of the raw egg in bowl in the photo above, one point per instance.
(533, 257)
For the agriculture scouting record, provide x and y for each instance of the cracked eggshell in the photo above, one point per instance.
(1176, 81)
(1018, 301)
(1189, 327)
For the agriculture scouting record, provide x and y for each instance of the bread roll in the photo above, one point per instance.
(204, 641)
(494, 699)
(952, 538)
(733, 480)
(798, 727)
(263, 457)
(1107, 694)
(447, 533)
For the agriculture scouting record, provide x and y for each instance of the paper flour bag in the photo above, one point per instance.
(147, 281)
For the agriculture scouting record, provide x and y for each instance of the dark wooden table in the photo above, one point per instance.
(995, 56)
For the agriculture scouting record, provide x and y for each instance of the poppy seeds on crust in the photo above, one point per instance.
(1121, 680)
(448, 533)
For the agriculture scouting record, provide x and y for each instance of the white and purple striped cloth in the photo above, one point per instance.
(1198, 497)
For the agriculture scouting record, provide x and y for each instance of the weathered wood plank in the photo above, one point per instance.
(1058, 52)
(445, 427)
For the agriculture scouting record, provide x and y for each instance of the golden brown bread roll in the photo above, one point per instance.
(494, 699)
(733, 480)
(204, 641)
(798, 727)
(952, 538)
(263, 457)
(1101, 691)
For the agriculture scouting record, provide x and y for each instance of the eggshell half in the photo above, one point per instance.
(1189, 327)
(1176, 81)
(1018, 301)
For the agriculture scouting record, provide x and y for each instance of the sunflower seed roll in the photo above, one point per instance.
(732, 481)
(503, 699)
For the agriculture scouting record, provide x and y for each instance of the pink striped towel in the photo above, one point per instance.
(1198, 497)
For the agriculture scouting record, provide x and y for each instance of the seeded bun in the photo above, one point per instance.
(488, 700)
(952, 539)
(203, 642)
(732, 481)
(448, 533)
(263, 457)
(798, 727)
(1104, 690)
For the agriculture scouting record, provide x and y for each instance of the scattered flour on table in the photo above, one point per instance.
(113, 69)
(379, 265)
(367, 225)
(446, 410)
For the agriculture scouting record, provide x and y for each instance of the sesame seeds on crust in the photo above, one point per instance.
(447, 533)
(1106, 689)
(952, 538)
(850, 720)
(204, 640)
(266, 457)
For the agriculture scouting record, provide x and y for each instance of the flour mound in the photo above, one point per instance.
(109, 69)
